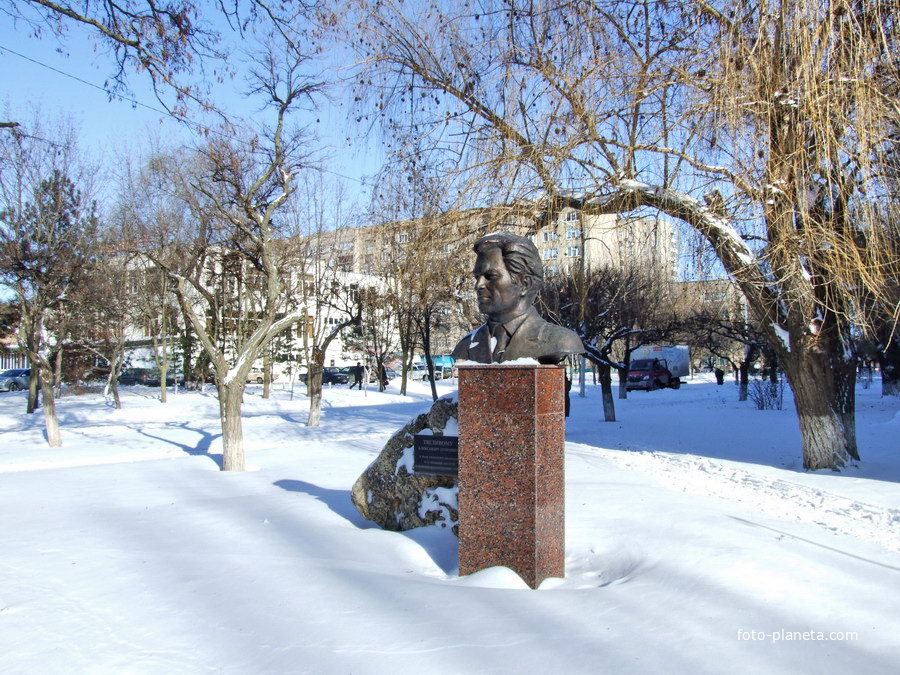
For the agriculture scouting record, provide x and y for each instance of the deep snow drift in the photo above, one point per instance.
(690, 531)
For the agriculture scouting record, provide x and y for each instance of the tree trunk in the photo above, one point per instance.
(267, 373)
(609, 407)
(889, 365)
(822, 422)
(57, 371)
(314, 387)
(48, 403)
(33, 382)
(163, 371)
(623, 372)
(429, 360)
(582, 377)
(113, 384)
(315, 398)
(230, 399)
(845, 400)
(115, 368)
(773, 369)
(187, 347)
(406, 357)
(744, 377)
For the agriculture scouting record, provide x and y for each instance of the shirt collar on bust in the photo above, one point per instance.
(510, 325)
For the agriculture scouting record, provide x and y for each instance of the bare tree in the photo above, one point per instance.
(100, 311)
(614, 311)
(730, 338)
(243, 183)
(47, 230)
(376, 332)
(154, 215)
(327, 294)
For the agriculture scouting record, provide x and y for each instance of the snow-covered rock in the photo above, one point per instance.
(390, 494)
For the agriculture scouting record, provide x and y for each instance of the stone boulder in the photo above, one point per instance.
(390, 494)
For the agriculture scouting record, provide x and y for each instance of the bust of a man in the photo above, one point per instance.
(508, 275)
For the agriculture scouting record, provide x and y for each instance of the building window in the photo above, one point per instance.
(573, 233)
(550, 236)
(550, 253)
(573, 217)
(573, 251)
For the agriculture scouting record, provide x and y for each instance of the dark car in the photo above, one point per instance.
(649, 375)
(149, 377)
(14, 379)
(330, 375)
(143, 376)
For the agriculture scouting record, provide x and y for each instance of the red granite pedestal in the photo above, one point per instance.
(511, 469)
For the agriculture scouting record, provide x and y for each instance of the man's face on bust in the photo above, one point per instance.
(499, 296)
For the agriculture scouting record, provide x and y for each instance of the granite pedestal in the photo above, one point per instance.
(511, 469)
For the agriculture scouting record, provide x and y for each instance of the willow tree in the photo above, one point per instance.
(757, 125)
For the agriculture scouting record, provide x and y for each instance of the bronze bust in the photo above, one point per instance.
(508, 275)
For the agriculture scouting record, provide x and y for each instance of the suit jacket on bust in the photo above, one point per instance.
(534, 338)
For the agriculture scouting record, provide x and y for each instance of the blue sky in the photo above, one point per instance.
(42, 71)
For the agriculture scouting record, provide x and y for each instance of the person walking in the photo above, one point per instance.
(357, 376)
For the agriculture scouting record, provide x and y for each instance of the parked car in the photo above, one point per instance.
(14, 379)
(389, 373)
(420, 372)
(654, 367)
(330, 375)
(144, 376)
(443, 372)
(258, 376)
(334, 375)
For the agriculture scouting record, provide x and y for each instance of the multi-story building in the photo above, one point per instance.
(571, 238)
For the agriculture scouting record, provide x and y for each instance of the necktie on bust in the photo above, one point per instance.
(501, 336)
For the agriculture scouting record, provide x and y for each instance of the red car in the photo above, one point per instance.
(650, 374)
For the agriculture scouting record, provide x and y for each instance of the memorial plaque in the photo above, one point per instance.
(436, 455)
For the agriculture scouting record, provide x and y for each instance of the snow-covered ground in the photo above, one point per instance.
(694, 542)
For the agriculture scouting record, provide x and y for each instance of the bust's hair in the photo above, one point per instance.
(520, 255)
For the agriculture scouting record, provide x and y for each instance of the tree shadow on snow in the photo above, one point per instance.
(200, 449)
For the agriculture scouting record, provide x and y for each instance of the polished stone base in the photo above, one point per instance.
(511, 469)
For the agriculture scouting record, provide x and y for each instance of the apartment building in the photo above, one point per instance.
(572, 238)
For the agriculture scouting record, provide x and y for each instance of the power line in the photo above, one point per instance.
(106, 91)
(135, 102)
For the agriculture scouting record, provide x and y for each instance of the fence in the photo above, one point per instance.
(10, 359)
